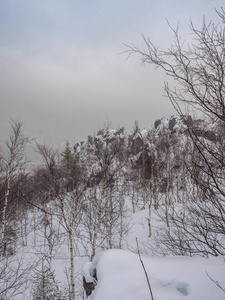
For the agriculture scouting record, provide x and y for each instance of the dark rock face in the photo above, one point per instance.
(197, 127)
(172, 123)
(189, 121)
(157, 123)
(90, 286)
(209, 135)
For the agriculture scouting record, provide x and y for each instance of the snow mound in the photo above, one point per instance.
(88, 272)
(121, 276)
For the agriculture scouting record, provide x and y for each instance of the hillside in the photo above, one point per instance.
(103, 193)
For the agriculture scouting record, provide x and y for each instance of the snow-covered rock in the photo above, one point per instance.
(121, 276)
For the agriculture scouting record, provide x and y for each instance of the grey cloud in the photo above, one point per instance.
(61, 72)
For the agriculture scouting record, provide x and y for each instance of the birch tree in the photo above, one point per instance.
(65, 201)
(106, 150)
(13, 163)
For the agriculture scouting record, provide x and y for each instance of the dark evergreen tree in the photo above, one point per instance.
(45, 286)
(67, 155)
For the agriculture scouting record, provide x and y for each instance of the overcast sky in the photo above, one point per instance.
(61, 72)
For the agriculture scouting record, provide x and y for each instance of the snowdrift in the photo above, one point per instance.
(121, 276)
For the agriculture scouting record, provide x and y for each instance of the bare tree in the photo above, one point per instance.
(67, 206)
(14, 275)
(13, 162)
(106, 152)
(198, 70)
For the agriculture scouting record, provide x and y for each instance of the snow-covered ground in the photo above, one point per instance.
(121, 276)
(120, 273)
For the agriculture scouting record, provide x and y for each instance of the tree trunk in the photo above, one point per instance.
(167, 188)
(8, 186)
(99, 217)
(69, 230)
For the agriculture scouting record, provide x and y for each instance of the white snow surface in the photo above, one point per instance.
(120, 273)
(121, 276)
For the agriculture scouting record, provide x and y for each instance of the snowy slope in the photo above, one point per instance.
(121, 276)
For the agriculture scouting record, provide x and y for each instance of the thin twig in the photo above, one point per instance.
(146, 275)
(216, 282)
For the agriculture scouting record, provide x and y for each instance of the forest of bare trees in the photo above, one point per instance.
(198, 70)
(80, 196)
